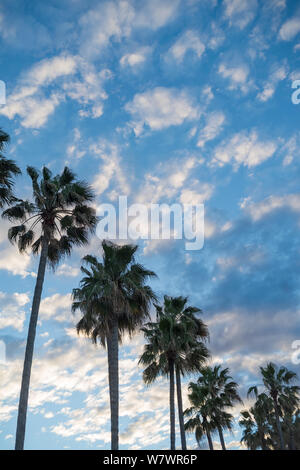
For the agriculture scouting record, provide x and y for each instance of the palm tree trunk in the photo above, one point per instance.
(278, 424)
(113, 379)
(172, 404)
(23, 401)
(209, 439)
(221, 438)
(180, 409)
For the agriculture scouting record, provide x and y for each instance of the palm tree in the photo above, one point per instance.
(58, 218)
(219, 387)
(113, 298)
(200, 414)
(191, 358)
(174, 347)
(289, 403)
(8, 169)
(276, 381)
(256, 423)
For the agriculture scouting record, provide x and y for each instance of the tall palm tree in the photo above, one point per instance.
(289, 403)
(174, 347)
(113, 298)
(192, 355)
(200, 414)
(256, 423)
(8, 170)
(276, 380)
(219, 387)
(199, 424)
(58, 218)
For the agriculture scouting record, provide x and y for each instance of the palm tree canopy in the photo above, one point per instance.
(60, 211)
(177, 335)
(213, 392)
(218, 384)
(276, 379)
(8, 170)
(256, 422)
(200, 413)
(113, 289)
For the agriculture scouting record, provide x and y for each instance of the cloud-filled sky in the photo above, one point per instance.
(164, 101)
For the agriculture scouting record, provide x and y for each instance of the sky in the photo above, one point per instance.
(164, 101)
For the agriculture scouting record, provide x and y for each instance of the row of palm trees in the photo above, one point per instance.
(211, 398)
(273, 421)
(114, 298)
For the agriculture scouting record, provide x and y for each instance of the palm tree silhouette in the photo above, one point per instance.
(113, 298)
(8, 170)
(174, 347)
(58, 218)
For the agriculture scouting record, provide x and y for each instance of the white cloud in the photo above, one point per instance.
(237, 76)
(244, 149)
(273, 203)
(110, 171)
(160, 108)
(117, 19)
(67, 270)
(197, 196)
(77, 148)
(188, 41)
(10, 258)
(279, 73)
(166, 181)
(57, 307)
(12, 313)
(213, 127)
(240, 12)
(135, 58)
(71, 76)
(290, 29)
(154, 14)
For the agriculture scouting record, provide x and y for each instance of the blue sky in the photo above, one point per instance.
(163, 101)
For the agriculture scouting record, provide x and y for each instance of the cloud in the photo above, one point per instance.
(166, 181)
(190, 196)
(12, 311)
(213, 127)
(244, 149)
(160, 108)
(116, 20)
(34, 100)
(189, 41)
(76, 149)
(67, 270)
(110, 171)
(136, 58)
(57, 307)
(11, 259)
(290, 29)
(271, 204)
(240, 12)
(237, 76)
(279, 73)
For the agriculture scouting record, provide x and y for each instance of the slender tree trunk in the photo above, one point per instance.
(172, 404)
(113, 379)
(221, 438)
(23, 401)
(180, 409)
(278, 424)
(209, 439)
